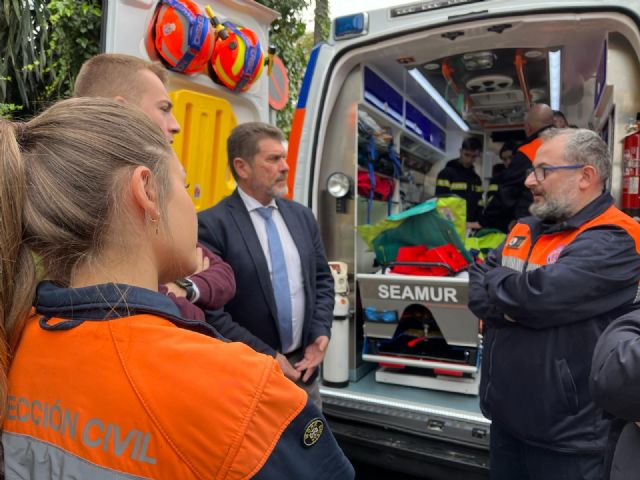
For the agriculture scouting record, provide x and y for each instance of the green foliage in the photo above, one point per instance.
(285, 34)
(306, 43)
(8, 109)
(23, 37)
(322, 23)
(43, 43)
(75, 37)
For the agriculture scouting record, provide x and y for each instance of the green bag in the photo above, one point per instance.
(454, 209)
(420, 225)
(485, 240)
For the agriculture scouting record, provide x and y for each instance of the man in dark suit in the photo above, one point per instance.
(284, 299)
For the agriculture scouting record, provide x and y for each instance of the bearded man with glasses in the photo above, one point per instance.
(545, 295)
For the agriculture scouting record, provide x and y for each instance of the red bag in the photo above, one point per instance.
(382, 190)
(447, 254)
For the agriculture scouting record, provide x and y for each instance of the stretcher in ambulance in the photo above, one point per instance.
(424, 76)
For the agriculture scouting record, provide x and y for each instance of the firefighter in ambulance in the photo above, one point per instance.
(459, 178)
(545, 295)
(106, 379)
(512, 199)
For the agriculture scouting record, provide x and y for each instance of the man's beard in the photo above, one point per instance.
(279, 192)
(553, 210)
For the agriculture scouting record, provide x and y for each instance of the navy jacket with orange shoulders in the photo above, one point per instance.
(109, 382)
(545, 296)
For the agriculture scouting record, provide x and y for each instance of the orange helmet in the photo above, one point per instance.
(238, 59)
(183, 37)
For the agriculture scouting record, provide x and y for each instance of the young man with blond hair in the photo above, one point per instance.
(139, 82)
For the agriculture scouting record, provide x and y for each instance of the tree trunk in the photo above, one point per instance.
(321, 21)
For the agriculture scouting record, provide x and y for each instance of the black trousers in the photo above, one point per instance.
(512, 459)
(312, 387)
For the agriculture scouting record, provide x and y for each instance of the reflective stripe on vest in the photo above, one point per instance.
(530, 149)
(517, 251)
(45, 459)
(139, 397)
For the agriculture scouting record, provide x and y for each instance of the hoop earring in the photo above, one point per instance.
(154, 221)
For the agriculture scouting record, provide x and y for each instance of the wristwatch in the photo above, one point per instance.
(189, 287)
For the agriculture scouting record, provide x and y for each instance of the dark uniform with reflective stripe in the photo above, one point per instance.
(495, 181)
(456, 179)
(511, 199)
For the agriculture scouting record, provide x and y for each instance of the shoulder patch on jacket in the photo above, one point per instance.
(313, 432)
(553, 256)
(515, 242)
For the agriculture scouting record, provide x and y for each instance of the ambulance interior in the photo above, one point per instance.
(486, 73)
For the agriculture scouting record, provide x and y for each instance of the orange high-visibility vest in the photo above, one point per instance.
(530, 149)
(518, 252)
(177, 404)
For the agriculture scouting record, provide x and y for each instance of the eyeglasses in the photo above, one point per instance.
(541, 172)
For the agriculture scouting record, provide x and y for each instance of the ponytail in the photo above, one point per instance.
(17, 270)
(60, 195)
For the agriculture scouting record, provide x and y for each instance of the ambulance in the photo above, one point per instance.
(427, 75)
(416, 79)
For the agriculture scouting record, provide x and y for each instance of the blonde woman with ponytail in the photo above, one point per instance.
(100, 377)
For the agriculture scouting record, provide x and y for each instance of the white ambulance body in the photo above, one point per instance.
(487, 60)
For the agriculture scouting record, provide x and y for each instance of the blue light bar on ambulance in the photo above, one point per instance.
(428, 6)
(350, 26)
(435, 95)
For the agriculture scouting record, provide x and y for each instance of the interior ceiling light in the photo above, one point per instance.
(430, 67)
(533, 54)
(478, 60)
(554, 80)
(489, 83)
(435, 95)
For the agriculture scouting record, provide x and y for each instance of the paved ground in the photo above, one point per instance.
(368, 472)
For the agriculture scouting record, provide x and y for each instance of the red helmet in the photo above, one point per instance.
(183, 37)
(238, 59)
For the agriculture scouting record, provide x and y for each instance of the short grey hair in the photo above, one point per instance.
(583, 147)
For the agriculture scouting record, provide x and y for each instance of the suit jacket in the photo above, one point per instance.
(251, 316)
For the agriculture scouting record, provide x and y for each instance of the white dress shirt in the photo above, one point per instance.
(292, 259)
